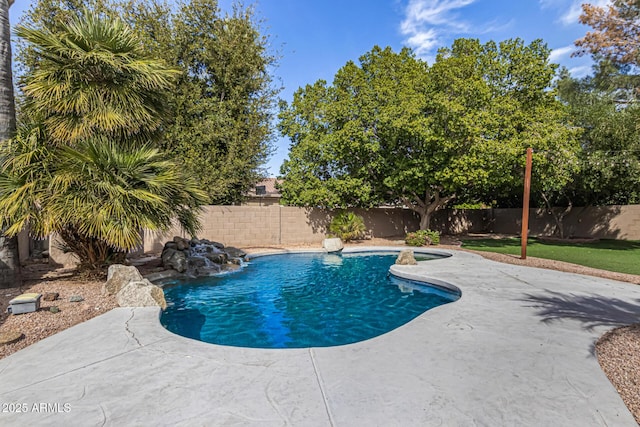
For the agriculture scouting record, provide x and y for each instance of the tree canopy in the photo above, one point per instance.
(616, 31)
(393, 130)
(220, 125)
(77, 165)
(610, 141)
(72, 87)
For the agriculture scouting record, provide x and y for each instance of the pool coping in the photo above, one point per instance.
(516, 349)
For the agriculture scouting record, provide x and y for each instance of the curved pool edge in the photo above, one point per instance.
(445, 288)
(404, 272)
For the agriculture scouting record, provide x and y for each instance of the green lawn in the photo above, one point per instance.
(614, 255)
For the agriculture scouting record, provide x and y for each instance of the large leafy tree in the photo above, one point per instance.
(221, 127)
(610, 155)
(346, 136)
(605, 104)
(9, 260)
(393, 130)
(83, 162)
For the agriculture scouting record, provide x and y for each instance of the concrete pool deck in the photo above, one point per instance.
(516, 349)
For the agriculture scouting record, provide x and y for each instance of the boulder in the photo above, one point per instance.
(216, 245)
(218, 258)
(406, 258)
(141, 293)
(199, 257)
(118, 276)
(235, 252)
(209, 270)
(170, 245)
(333, 244)
(197, 262)
(181, 243)
(174, 259)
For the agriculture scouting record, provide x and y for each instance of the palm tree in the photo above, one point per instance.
(9, 260)
(82, 163)
(7, 108)
(97, 195)
(93, 78)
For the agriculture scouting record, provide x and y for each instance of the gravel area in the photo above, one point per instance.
(618, 351)
(619, 356)
(43, 323)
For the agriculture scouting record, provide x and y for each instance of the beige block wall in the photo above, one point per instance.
(603, 222)
(246, 226)
(59, 257)
(281, 225)
(459, 221)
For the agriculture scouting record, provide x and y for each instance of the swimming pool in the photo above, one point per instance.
(300, 300)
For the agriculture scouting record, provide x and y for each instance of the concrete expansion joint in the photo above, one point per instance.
(129, 331)
(321, 386)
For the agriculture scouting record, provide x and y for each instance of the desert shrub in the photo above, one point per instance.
(347, 226)
(423, 238)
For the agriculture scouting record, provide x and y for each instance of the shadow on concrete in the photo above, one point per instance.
(592, 310)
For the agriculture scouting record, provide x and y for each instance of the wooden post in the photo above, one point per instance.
(525, 205)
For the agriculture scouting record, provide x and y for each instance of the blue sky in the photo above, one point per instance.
(315, 38)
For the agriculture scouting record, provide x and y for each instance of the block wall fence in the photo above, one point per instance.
(275, 225)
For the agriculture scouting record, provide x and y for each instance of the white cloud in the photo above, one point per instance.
(571, 16)
(570, 10)
(561, 52)
(580, 71)
(424, 42)
(552, 3)
(433, 12)
(427, 21)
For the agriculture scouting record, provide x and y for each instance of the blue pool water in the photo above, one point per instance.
(299, 300)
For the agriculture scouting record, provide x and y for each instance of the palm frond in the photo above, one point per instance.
(94, 79)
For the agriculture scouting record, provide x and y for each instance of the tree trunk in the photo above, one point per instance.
(7, 106)
(425, 220)
(557, 217)
(94, 254)
(428, 206)
(9, 258)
